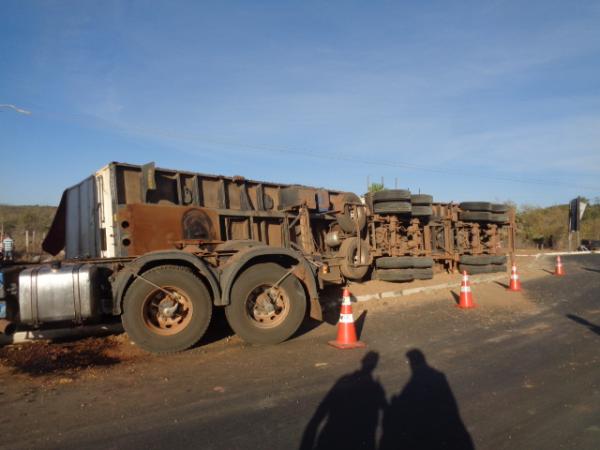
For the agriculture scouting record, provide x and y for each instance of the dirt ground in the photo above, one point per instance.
(60, 393)
(45, 364)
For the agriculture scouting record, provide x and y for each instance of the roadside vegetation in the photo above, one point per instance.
(548, 227)
(26, 224)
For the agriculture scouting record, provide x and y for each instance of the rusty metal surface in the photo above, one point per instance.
(165, 208)
(145, 228)
(159, 209)
(147, 184)
(443, 237)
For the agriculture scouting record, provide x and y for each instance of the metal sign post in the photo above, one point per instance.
(576, 210)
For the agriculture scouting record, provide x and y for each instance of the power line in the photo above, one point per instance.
(341, 157)
(200, 139)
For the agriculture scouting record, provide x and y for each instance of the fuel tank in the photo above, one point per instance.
(60, 292)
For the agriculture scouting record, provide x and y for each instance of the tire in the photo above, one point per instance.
(476, 260)
(474, 270)
(421, 211)
(393, 275)
(475, 216)
(422, 262)
(150, 329)
(476, 206)
(482, 260)
(346, 219)
(498, 259)
(403, 262)
(422, 274)
(348, 252)
(391, 195)
(265, 327)
(499, 208)
(421, 199)
(499, 268)
(392, 208)
(499, 218)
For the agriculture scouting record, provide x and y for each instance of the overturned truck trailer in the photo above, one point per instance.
(160, 249)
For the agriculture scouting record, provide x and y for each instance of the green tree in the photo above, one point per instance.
(374, 187)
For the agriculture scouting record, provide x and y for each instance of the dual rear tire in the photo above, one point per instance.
(401, 201)
(477, 264)
(260, 313)
(483, 212)
(403, 268)
(168, 309)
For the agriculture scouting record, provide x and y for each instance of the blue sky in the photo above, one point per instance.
(463, 100)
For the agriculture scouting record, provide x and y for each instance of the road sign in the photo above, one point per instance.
(576, 210)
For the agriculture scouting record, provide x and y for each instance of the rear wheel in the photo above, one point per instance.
(167, 309)
(403, 262)
(421, 199)
(498, 259)
(354, 266)
(499, 218)
(474, 270)
(421, 211)
(262, 313)
(475, 216)
(396, 275)
(352, 216)
(422, 274)
(390, 195)
(476, 206)
(499, 208)
(395, 207)
(476, 260)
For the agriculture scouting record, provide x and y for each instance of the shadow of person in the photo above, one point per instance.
(425, 414)
(348, 416)
(580, 320)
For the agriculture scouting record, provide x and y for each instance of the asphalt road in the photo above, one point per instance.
(518, 372)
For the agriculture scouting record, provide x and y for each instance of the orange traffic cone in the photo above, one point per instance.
(346, 337)
(559, 271)
(466, 296)
(515, 282)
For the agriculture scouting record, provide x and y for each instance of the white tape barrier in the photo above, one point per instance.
(538, 255)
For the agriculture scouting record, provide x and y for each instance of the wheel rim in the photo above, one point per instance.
(167, 314)
(267, 306)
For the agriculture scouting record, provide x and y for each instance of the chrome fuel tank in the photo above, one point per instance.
(58, 293)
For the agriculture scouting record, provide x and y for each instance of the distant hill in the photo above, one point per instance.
(549, 226)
